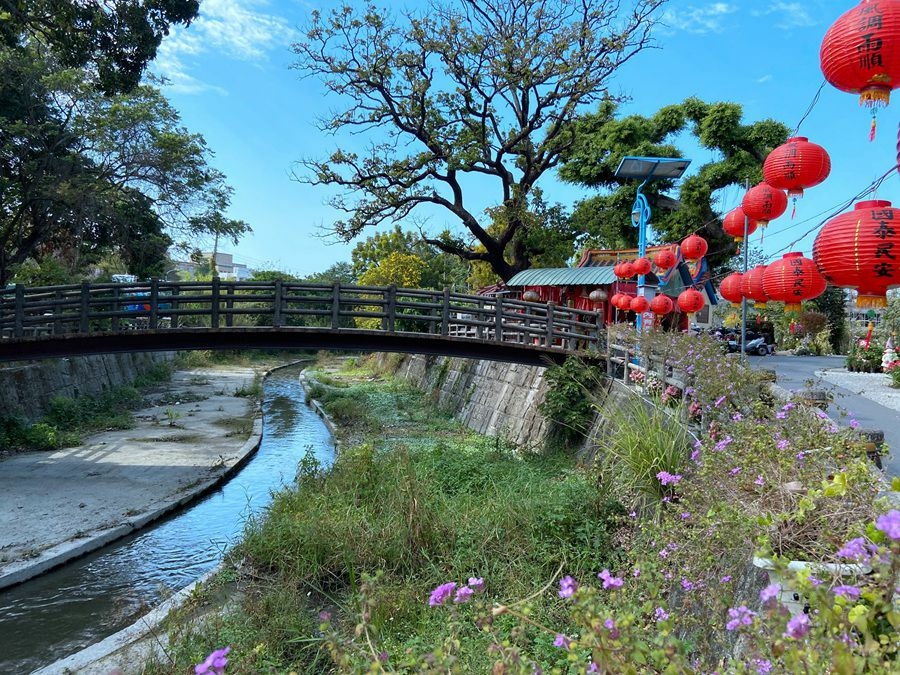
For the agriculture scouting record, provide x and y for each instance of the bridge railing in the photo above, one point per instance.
(86, 308)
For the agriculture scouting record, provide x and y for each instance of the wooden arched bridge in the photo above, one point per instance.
(54, 321)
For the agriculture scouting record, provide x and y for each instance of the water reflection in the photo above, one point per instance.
(59, 613)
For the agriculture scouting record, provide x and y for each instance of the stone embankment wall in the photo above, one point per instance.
(25, 389)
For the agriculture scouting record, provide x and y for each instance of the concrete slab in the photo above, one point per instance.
(60, 505)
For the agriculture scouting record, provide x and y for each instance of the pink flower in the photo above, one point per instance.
(661, 614)
(770, 592)
(476, 584)
(889, 523)
(561, 641)
(759, 480)
(735, 471)
(611, 627)
(739, 616)
(214, 664)
(849, 592)
(567, 587)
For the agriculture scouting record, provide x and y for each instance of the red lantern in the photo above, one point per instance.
(690, 301)
(640, 304)
(860, 53)
(626, 270)
(641, 266)
(730, 288)
(694, 247)
(792, 280)
(661, 304)
(859, 249)
(796, 165)
(625, 302)
(733, 224)
(665, 259)
(752, 286)
(764, 203)
(614, 300)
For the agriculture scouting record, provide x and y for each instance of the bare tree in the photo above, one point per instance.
(483, 88)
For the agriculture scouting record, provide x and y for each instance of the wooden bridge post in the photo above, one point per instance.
(498, 318)
(57, 313)
(116, 307)
(551, 311)
(214, 303)
(229, 305)
(19, 326)
(336, 305)
(154, 304)
(388, 321)
(445, 313)
(83, 325)
(174, 302)
(277, 320)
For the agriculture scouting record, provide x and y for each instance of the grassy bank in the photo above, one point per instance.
(415, 499)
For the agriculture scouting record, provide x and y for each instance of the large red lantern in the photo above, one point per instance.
(694, 247)
(730, 288)
(641, 266)
(733, 224)
(792, 280)
(752, 286)
(639, 304)
(860, 53)
(665, 259)
(626, 270)
(796, 165)
(625, 302)
(614, 300)
(764, 203)
(690, 301)
(661, 304)
(861, 249)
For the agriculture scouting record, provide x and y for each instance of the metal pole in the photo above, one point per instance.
(643, 210)
(744, 299)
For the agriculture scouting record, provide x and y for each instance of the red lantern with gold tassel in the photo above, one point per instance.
(614, 300)
(639, 304)
(733, 224)
(690, 301)
(763, 203)
(861, 249)
(694, 247)
(860, 53)
(624, 302)
(792, 280)
(665, 259)
(626, 270)
(730, 288)
(641, 266)
(795, 165)
(752, 286)
(661, 305)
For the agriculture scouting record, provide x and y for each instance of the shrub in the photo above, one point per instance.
(567, 403)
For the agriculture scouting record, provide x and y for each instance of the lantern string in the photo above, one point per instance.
(810, 108)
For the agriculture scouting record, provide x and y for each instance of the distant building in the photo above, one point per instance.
(227, 269)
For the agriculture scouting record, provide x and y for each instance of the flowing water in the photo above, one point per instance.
(59, 613)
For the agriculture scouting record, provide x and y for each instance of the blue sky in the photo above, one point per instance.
(230, 78)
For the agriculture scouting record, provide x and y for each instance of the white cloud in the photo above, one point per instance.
(763, 79)
(703, 19)
(232, 28)
(788, 15)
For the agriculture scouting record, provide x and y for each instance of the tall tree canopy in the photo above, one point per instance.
(114, 39)
(602, 140)
(470, 90)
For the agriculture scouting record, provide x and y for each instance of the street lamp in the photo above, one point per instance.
(647, 168)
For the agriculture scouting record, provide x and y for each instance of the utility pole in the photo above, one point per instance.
(743, 297)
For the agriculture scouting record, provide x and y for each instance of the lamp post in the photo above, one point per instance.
(647, 168)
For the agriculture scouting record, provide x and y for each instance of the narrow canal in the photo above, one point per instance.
(59, 613)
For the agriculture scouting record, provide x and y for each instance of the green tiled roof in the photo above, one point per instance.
(564, 276)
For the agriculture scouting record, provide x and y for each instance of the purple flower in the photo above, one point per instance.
(759, 480)
(725, 579)
(781, 415)
(782, 444)
(719, 401)
(685, 515)
(735, 471)
(854, 424)
(324, 617)
(687, 585)
(667, 478)
(611, 627)
(383, 656)
(664, 553)
(855, 549)
(763, 666)
(609, 581)
(636, 573)
(737, 417)
(593, 668)
(567, 586)
(441, 594)
(561, 641)
(661, 614)
(833, 429)
(815, 581)
(821, 415)
(724, 443)
(463, 595)
(798, 626)
(214, 663)
(476, 584)
(788, 406)
(849, 592)
(801, 455)
(889, 523)
(770, 592)
(633, 514)
(739, 616)
(695, 456)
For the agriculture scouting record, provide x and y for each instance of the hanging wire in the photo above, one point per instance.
(810, 108)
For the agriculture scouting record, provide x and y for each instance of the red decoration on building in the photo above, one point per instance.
(733, 224)
(624, 301)
(792, 280)
(752, 286)
(764, 203)
(861, 249)
(694, 247)
(661, 304)
(666, 259)
(614, 300)
(639, 304)
(796, 165)
(641, 266)
(730, 288)
(625, 270)
(860, 53)
(691, 301)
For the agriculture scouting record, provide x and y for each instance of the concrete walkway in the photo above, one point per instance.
(60, 505)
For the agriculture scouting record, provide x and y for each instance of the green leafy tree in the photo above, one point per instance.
(477, 89)
(832, 303)
(603, 139)
(115, 39)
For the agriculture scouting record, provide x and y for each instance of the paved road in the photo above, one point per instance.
(801, 372)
